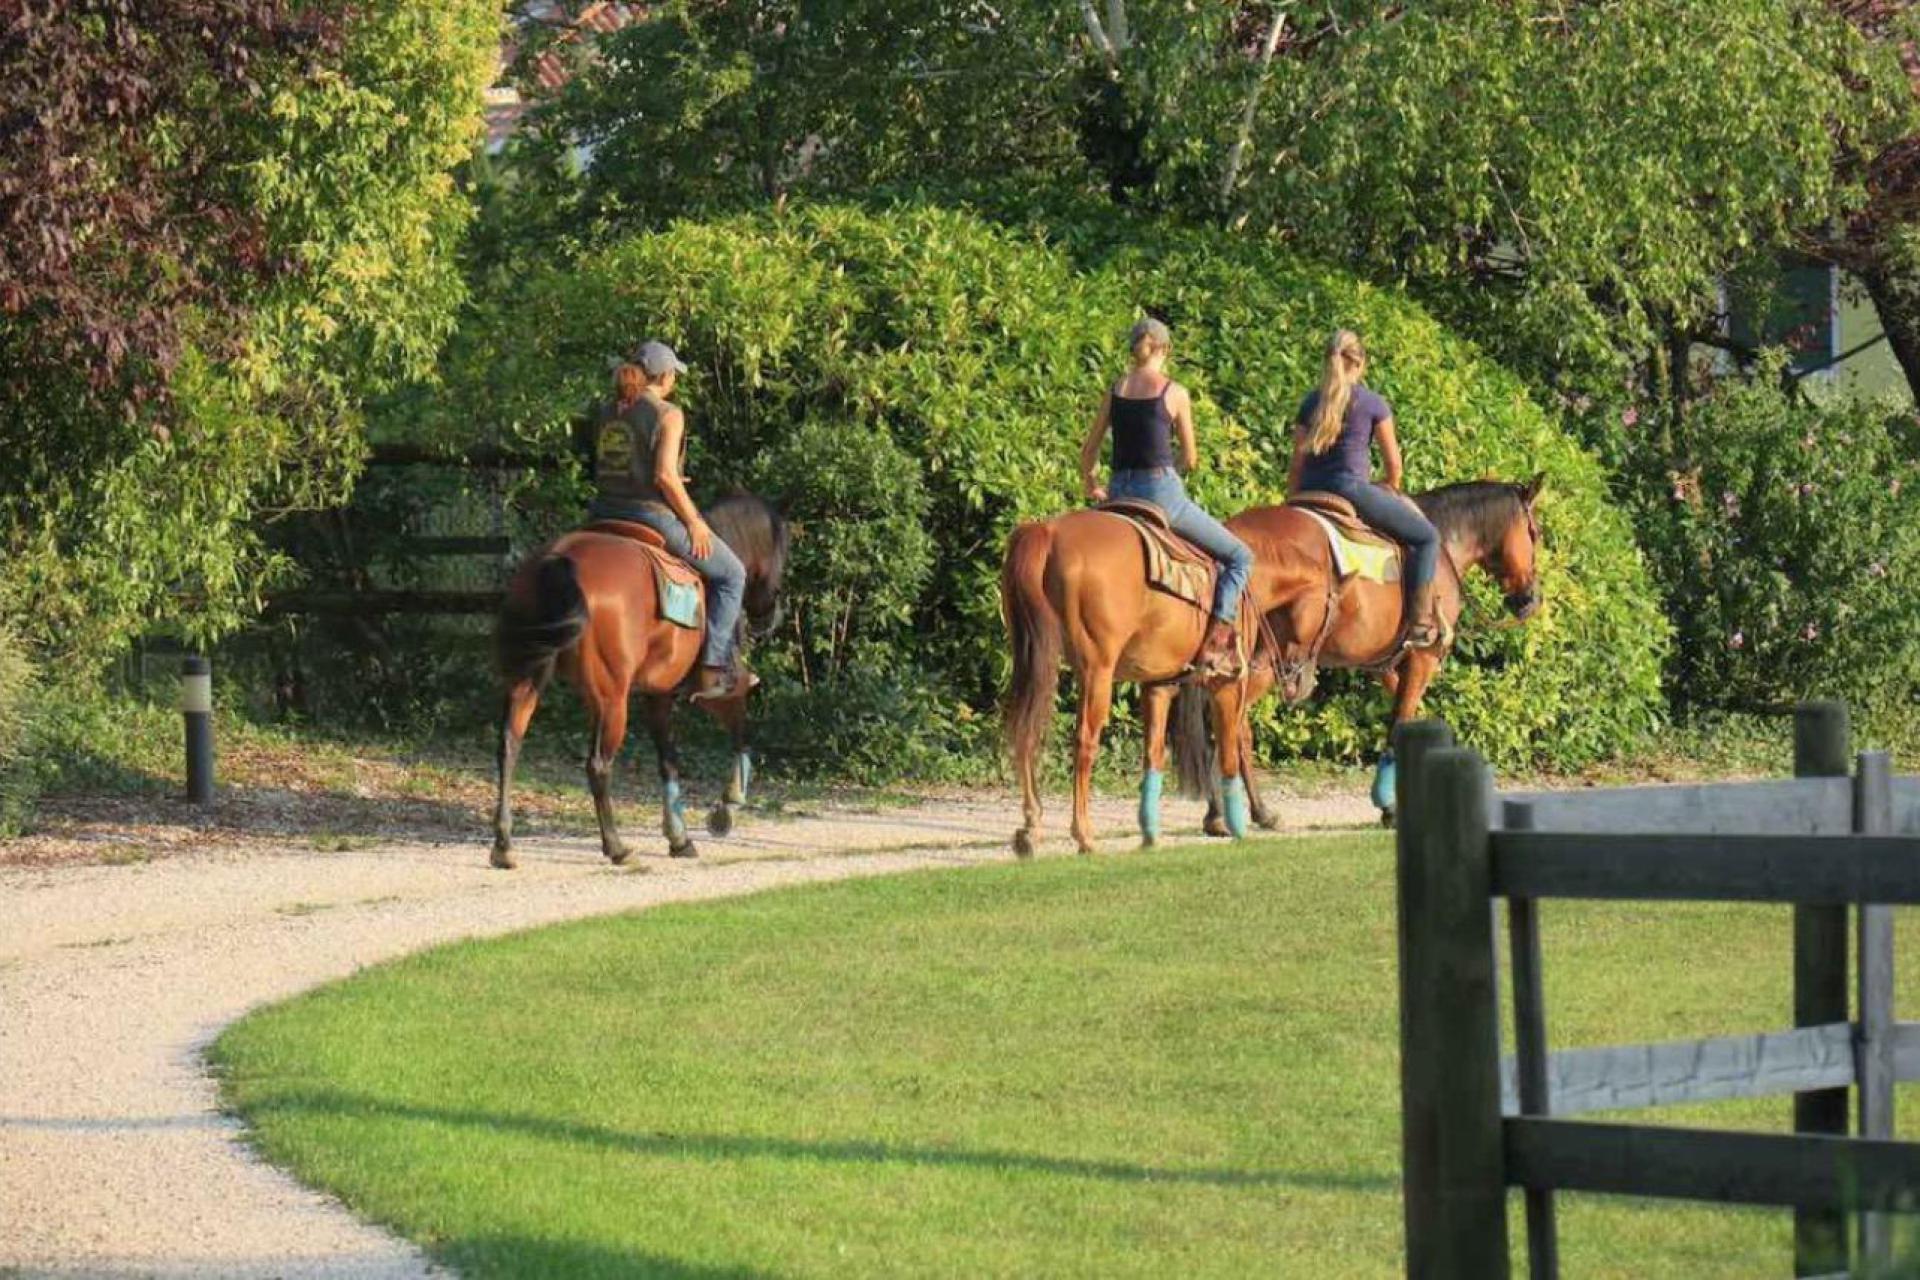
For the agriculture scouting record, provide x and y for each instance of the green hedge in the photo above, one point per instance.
(981, 352)
(1787, 537)
(19, 772)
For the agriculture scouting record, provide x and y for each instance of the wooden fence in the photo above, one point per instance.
(1474, 1125)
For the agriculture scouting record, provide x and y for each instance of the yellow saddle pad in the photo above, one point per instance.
(1368, 561)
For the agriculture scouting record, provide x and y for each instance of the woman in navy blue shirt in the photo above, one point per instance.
(1333, 440)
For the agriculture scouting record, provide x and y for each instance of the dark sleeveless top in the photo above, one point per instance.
(1142, 432)
(623, 451)
(1349, 459)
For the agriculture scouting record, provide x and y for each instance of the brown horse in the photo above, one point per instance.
(1078, 584)
(585, 607)
(1483, 525)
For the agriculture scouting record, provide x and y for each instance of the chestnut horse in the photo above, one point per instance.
(1078, 584)
(585, 607)
(1483, 525)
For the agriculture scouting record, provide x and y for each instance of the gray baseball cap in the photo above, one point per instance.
(658, 359)
(1148, 327)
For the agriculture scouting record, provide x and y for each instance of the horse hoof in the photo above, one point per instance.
(720, 820)
(685, 849)
(502, 858)
(1215, 825)
(1387, 818)
(1149, 842)
(1023, 843)
(618, 857)
(1083, 847)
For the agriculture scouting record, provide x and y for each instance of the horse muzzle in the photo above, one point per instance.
(1524, 604)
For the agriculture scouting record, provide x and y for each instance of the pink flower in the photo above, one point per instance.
(1810, 632)
(1582, 403)
(1630, 417)
(1737, 640)
(1876, 570)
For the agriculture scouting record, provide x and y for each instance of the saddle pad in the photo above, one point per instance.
(679, 586)
(1372, 561)
(1174, 565)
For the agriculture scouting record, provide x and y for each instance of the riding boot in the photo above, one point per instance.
(1427, 628)
(723, 684)
(1220, 655)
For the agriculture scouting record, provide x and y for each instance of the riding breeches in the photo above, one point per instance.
(1161, 486)
(725, 576)
(1395, 515)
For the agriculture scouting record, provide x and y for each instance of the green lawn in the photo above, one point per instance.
(1177, 1063)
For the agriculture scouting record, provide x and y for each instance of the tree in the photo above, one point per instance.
(241, 230)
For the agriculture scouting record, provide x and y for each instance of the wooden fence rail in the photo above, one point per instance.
(1474, 1125)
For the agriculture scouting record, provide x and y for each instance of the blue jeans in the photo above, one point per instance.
(1397, 517)
(1161, 486)
(726, 576)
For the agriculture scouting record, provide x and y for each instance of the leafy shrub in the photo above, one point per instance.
(1787, 541)
(19, 773)
(980, 351)
(861, 548)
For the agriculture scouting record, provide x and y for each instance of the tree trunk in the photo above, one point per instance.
(1895, 291)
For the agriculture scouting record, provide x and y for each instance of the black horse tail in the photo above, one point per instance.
(531, 637)
(1193, 752)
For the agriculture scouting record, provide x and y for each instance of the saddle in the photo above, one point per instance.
(1358, 548)
(1174, 565)
(678, 585)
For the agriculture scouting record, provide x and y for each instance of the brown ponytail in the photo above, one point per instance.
(629, 383)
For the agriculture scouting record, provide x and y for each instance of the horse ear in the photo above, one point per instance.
(1533, 487)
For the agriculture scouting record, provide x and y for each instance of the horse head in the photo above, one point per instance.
(1493, 525)
(759, 535)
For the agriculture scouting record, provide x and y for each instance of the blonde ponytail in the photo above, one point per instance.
(1346, 358)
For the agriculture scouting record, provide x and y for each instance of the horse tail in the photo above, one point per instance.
(530, 637)
(1036, 636)
(1193, 750)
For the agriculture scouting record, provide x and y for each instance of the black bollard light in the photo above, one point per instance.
(196, 708)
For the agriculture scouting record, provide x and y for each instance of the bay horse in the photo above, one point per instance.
(585, 607)
(1486, 525)
(1076, 586)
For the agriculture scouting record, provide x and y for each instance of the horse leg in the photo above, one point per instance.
(1407, 685)
(1096, 700)
(1025, 764)
(521, 699)
(732, 715)
(609, 731)
(1156, 701)
(1259, 684)
(673, 821)
(1229, 707)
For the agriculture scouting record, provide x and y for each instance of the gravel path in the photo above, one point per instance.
(114, 1161)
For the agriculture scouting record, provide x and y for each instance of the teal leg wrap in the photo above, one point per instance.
(741, 779)
(1150, 788)
(1385, 782)
(674, 821)
(1233, 797)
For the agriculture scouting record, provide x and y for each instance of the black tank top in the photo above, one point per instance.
(1142, 432)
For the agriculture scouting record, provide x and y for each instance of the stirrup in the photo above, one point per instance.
(735, 686)
(1426, 635)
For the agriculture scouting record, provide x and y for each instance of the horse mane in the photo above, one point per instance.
(1481, 509)
(759, 535)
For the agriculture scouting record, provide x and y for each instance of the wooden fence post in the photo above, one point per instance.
(1455, 948)
(1413, 744)
(1873, 1036)
(1530, 1049)
(1820, 750)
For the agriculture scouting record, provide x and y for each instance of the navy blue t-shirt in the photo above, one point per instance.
(1349, 460)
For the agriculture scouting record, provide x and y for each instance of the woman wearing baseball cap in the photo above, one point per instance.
(639, 451)
(1147, 411)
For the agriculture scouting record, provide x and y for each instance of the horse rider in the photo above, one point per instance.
(1146, 410)
(1337, 426)
(639, 450)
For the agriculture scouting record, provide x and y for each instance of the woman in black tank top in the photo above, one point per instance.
(1148, 412)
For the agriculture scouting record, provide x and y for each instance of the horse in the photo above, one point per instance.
(1076, 585)
(1314, 620)
(584, 607)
